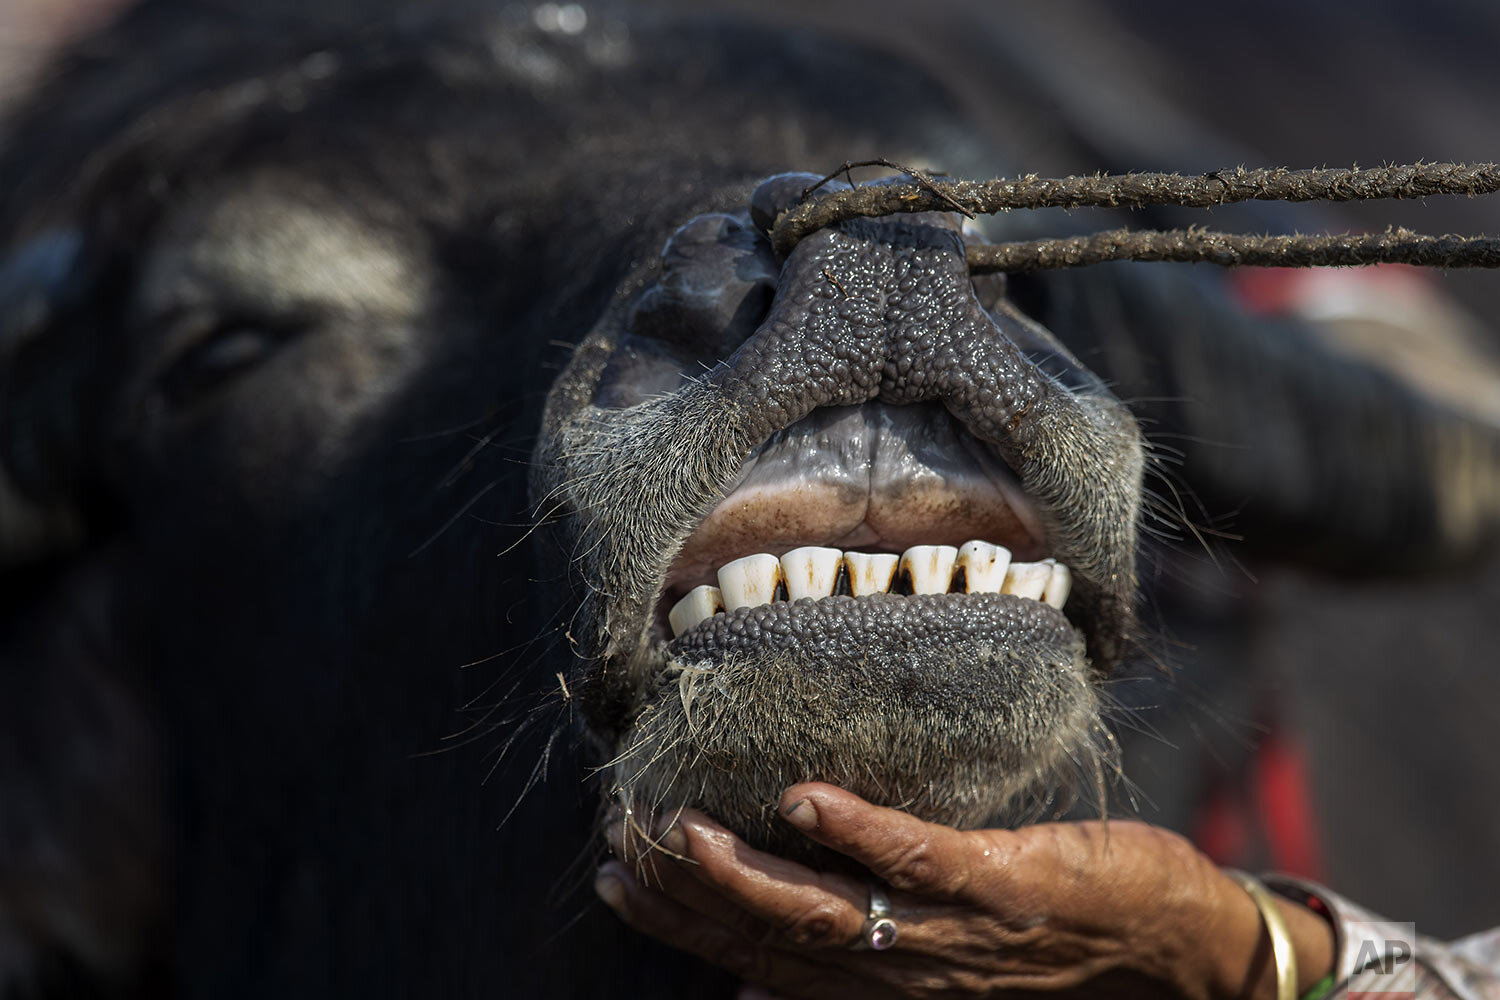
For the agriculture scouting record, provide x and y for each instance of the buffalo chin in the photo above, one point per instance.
(956, 710)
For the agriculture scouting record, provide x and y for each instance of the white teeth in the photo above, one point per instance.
(870, 573)
(749, 581)
(810, 571)
(984, 567)
(930, 567)
(1027, 579)
(699, 603)
(1059, 585)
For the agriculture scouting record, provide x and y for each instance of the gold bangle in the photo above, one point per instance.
(1281, 936)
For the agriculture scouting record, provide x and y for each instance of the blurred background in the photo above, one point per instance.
(30, 30)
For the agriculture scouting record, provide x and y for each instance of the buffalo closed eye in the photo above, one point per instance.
(230, 348)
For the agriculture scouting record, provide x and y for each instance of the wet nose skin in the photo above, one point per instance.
(879, 310)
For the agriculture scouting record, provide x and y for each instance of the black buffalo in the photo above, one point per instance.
(365, 368)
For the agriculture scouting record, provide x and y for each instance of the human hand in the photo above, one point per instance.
(1057, 908)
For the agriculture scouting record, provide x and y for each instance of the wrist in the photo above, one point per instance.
(1244, 966)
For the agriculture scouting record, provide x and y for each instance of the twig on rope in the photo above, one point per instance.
(1235, 249)
(1135, 191)
(923, 179)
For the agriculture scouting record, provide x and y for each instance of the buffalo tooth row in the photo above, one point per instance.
(814, 571)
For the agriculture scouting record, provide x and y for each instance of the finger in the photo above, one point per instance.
(807, 910)
(656, 915)
(907, 852)
(659, 861)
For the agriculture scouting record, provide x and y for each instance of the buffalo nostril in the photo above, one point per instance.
(718, 276)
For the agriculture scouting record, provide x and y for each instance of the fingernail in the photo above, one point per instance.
(802, 814)
(612, 891)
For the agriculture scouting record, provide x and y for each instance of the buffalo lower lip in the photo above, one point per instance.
(879, 626)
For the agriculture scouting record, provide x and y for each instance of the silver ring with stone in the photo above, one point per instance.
(879, 931)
